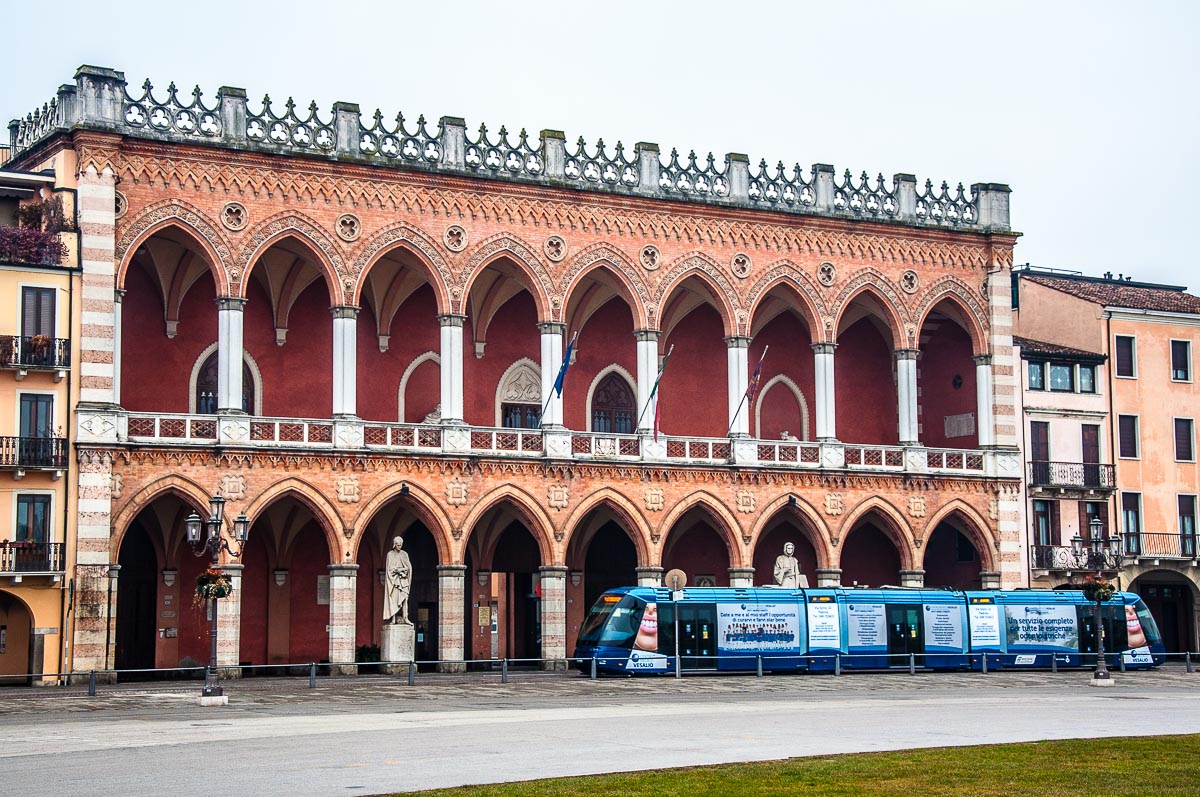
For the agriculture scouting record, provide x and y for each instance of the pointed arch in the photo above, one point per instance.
(790, 384)
(971, 523)
(523, 376)
(326, 254)
(894, 526)
(786, 273)
(591, 392)
(869, 281)
(601, 256)
(523, 257)
(971, 314)
(247, 359)
(422, 503)
(183, 488)
(313, 499)
(633, 520)
(536, 520)
(429, 356)
(414, 241)
(726, 524)
(708, 272)
(812, 526)
(188, 219)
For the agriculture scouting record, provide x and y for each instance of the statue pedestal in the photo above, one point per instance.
(399, 642)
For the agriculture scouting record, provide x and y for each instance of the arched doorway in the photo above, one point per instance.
(869, 557)
(16, 655)
(601, 555)
(951, 559)
(1171, 599)
(783, 528)
(695, 546)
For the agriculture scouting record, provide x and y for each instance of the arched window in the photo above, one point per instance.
(613, 406)
(206, 387)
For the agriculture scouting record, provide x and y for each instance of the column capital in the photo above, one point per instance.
(230, 303)
(647, 335)
(344, 311)
(451, 320)
(118, 295)
(554, 570)
(343, 569)
(907, 354)
(982, 359)
(232, 569)
(552, 328)
(452, 570)
(824, 348)
(737, 342)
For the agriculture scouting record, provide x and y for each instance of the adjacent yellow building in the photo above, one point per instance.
(39, 308)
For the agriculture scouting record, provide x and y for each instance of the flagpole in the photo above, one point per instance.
(654, 390)
(753, 384)
(561, 372)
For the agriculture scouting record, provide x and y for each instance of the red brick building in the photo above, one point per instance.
(351, 329)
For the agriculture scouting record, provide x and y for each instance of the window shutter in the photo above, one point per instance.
(1127, 430)
(1183, 439)
(1055, 522)
(45, 312)
(1180, 367)
(1124, 356)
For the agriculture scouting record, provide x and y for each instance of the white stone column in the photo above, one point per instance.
(737, 379)
(345, 361)
(826, 411)
(552, 355)
(985, 420)
(451, 585)
(741, 576)
(97, 246)
(906, 395)
(229, 354)
(554, 613)
(647, 372)
(118, 295)
(229, 622)
(452, 367)
(343, 593)
(649, 576)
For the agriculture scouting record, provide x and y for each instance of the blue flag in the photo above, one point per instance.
(566, 363)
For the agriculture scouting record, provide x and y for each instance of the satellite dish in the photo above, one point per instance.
(675, 579)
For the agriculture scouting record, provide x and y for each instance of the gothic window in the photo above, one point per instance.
(519, 396)
(613, 406)
(206, 387)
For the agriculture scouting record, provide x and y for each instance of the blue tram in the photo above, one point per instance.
(650, 630)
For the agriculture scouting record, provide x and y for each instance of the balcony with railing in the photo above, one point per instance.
(1045, 475)
(428, 439)
(1134, 548)
(25, 353)
(33, 453)
(31, 558)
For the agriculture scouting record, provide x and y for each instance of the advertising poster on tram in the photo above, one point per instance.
(824, 626)
(985, 626)
(943, 628)
(866, 627)
(1043, 626)
(645, 655)
(754, 627)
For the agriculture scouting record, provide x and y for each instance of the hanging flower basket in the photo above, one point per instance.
(213, 584)
(1098, 588)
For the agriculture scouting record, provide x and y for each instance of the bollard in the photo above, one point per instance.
(312, 675)
(1188, 660)
(412, 673)
(92, 684)
(678, 669)
(593, 668)
(1054, 663)
(837, 664)
(985, 664)
(503, 671)
(1121, 663)
(912, 663)
(760, 666)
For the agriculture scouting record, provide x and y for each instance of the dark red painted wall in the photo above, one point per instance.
(607, 339)
(296, 376)
(865, 387)
(192, 616)
(513, 334)
(254, 600)
(869, 558)
(692, 395)
(414, 331)
(942, 568)
(155, 369)
(309, 559)
(367, 612)
(696, 550)
(789, 353)
(946, 355)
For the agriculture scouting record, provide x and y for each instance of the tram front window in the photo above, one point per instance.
(613, 622)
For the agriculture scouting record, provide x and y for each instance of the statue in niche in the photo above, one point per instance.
(398, 575)
(787, 569)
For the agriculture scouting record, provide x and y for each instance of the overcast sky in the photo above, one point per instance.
(1088, 110)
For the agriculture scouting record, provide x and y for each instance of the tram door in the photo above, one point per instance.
(905, 635)
(698, 636)
(1116, 633)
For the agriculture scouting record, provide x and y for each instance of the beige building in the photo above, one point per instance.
(38, 307)
(1110, 401)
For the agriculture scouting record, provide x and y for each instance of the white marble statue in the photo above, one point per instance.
(398, 575)
(787, 569)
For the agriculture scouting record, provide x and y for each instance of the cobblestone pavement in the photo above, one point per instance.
(339, 694)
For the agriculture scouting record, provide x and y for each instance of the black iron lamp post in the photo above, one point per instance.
(1098, 556)
(206, 537)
